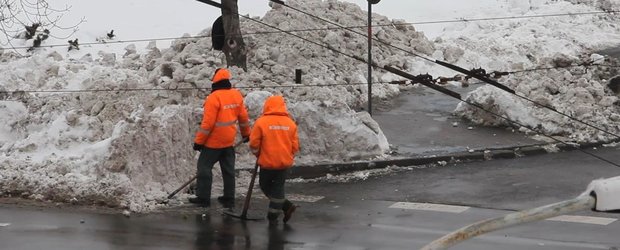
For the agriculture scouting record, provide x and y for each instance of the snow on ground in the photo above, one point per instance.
(129, 148)
(581, 96)
(516, 45)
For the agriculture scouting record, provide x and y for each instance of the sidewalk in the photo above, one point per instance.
(422, 130)
(421, 124)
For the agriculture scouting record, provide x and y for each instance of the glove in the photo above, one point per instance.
(197, 147)
(245, 139)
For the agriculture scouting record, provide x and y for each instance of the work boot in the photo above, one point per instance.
(272, 218)
(289, 212)
(226, 201)
(200, 202)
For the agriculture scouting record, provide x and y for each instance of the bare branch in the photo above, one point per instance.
(33, 19)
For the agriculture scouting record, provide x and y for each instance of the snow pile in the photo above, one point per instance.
(606, 5)
(514, 45)
(128, 148)
(518, 44)
(578, 94)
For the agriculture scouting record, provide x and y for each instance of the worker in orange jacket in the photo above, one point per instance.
(274, 141)
(223, 110)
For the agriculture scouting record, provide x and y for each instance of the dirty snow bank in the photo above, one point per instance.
(129, 148)
(581, 95)
(516, 45)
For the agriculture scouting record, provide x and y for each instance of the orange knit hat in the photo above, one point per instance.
(221, 74)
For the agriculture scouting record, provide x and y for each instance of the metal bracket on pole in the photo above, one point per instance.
(298, 76)
(212, 3)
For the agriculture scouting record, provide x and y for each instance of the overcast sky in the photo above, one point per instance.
(259, 7)
(417, 10)
(134, 19)
(411, 10)
(400, 9)
(203, 15)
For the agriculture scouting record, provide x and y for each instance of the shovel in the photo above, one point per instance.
(193, 178)
(181, 188)
(246, 204)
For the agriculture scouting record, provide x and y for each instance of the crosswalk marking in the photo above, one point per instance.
(429, 207)
(459, 209)
(584, 219)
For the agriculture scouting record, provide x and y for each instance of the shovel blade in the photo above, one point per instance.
(243, 216)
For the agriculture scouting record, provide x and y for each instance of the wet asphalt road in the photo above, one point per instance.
(358, 214)
(353, 215)
(421, 123)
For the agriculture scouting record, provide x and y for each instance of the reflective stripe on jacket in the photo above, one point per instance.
(274, 136)
(223, 109)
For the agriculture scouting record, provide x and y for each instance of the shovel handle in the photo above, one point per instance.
(180, 188)
(246, 204)
(193, 178)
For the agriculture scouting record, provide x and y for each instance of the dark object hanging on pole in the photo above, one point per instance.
(298, 76)
(218, 35)
(234, 47)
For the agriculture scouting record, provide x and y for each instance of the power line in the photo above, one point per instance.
(517, 17)
(476, 74)
(459, 20)
(427, 82)
(349, 29)
(435, 80)
(13, 92)
(584, 64)
(421, 80)
(107, 42)
(537, 132)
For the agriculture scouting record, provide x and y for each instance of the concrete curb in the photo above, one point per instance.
(321, 170)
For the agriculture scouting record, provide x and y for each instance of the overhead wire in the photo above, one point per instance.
(459, 20)
(537, 132)
(435, 80)
(424, 81)
(585, 65)
(351, 30)
(516, 17)
(456, 68)
(513, 92)
(457, 96)
(13, 92)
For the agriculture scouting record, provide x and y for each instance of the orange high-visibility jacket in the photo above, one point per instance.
(223, 109)
(274, 136)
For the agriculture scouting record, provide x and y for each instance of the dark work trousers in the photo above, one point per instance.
(208, 157)
(272, 184)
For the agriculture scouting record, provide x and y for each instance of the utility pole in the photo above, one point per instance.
(370, 3)
(234, 47)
